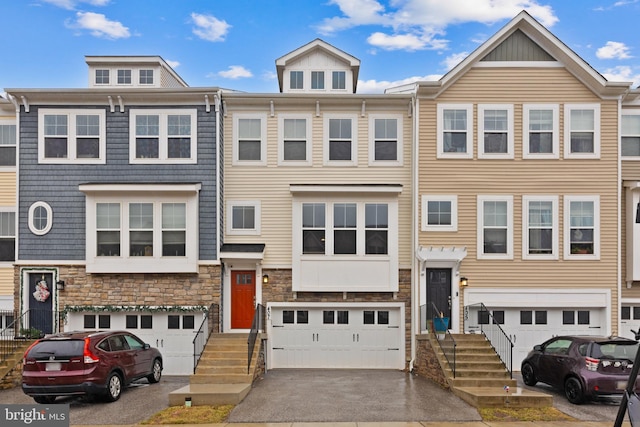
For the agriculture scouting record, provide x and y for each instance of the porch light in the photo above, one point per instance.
(60, 285)
(464, 282)
(265, 279)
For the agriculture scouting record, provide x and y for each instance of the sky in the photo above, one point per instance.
(234, 44)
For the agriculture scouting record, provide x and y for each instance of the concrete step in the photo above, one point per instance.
(484, 382)
(209, 394)
(476, 373)
(221, 370)
(220, 378)
(225, 354)
(223, 362)
(492, 397)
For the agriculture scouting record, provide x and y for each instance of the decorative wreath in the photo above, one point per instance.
(42, 291)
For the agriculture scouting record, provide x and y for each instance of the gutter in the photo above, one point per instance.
(415, 272)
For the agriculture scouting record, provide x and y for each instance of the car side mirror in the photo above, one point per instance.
(146, 346)
(537, 347)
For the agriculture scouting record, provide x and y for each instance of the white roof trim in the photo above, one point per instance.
(391, 189)
(184, 188)
(451, 254)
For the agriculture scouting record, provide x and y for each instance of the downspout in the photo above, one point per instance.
(618, 213)
(17, 183)
(415, 272)
(217, 108)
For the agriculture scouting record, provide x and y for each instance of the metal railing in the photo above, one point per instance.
(32, 324)
(207, 327)
(486, 324)
(445, 340)
(256, 326)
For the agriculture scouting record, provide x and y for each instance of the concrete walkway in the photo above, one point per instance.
(394, 424)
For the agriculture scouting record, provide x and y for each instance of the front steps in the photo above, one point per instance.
(221, 377)
(481, 378)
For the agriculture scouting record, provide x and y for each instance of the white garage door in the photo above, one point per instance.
(170, 332)
(364, 337)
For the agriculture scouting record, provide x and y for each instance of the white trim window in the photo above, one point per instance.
(243, 217)
(145, 77)
(339, 80)
(102, 76)
(385, 140)
(630, 134)
(317, 80)
(142, 229)
(163, 136)
(8, 143)
(40, 218)
(455, 130)
(124, 77)
(582, 227)
(541, 132)
(71, 136)
(495, 227)
(294, 132)
(296, 80)
(341, 140)
(439, 213)
(249, 143)
(495, 131)
(539, 227)
(582, 131)
(7, 235)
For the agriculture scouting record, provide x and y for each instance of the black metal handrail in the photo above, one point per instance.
(30, 325)
(204, 333)
(493, 332)
(446, 343)
(256, 326)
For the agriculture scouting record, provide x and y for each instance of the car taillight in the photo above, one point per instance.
(89, 357)
(24, 357)
(592, 364)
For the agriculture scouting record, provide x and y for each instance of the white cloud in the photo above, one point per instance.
(415, 24)
(71, 4)
(209, 27)
(235, 72)
(613, 50)
(173, 64)
(623, 73)
(100, 26)
(453, 60)
(375, 86)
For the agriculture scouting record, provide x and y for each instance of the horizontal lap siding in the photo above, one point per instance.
(270, 184)
(468, 178)
(8, 188)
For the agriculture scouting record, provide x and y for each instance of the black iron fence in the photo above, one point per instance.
(16, 328)
(478, 318)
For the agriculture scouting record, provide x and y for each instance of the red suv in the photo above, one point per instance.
(87, 363)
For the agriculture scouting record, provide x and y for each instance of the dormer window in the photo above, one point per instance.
(146, 77)
(102, 77)
(339, 80)
(124, 77)
(296, 80)
(317, 80)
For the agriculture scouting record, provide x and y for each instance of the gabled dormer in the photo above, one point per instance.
(132, 72)
(317, 67)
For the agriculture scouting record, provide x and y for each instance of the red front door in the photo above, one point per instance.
(243, 295)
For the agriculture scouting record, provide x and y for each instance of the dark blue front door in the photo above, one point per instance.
(40, 302)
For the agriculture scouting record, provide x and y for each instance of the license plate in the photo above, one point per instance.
(53, 366)
(621, 385)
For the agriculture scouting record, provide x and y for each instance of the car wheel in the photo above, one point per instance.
(114, 387)
(573, 390)
(528, 375)
(44, 400)
(156, 372)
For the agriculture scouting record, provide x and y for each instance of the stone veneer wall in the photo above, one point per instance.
(279, 289)
(427, 364)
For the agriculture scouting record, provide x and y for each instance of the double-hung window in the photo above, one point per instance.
(296, 80)
(7, 235)
(317, 80)
(345, 220)
(8, 141)
(341, 143)
(77, 136)
(439, 213)
(540, 138)
(295, 145)
(495, 131)
(582, 131)
(582, 227)
(386, 141)
(108, 226)
(313, 228)
(495, 227)
(376, 228)
(244, 217)
(166, 136)
(339, 80)
(540, 227)
(455, 130)
(631, 134)
(250, 146)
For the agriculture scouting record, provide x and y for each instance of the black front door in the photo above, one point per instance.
(40, 303)
(438, 292)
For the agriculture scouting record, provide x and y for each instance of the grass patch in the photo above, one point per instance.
(523, 414)
(191, 415)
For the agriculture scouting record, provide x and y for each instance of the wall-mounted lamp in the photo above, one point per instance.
(464, 282)
(265, 279)
(60, 285)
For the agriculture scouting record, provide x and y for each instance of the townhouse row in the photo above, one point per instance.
(141, 203)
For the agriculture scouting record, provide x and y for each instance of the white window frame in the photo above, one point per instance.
(13, 236)
(482, 108)
(48, 225)
(635, 113)
(439, 198)
(526, 200)
(296, 89)
(372, 140)
(354, 140)
(323, 80)
(95, 77)
(263, 140)
(596, 227)
(10, 122)
(72, 114)
(153, 77)
(308, 140)
(257, 206)
(596, 131)
(468, 154)
(480, 227)
(124, 70)
(157, 194)
(526, 132)
(163, 137)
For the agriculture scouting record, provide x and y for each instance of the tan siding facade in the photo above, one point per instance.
(7, 188)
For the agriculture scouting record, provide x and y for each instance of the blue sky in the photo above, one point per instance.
(234, 44)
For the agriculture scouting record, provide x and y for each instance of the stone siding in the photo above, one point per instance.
(427, 364)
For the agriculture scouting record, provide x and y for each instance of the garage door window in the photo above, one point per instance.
(146, 321)
(527, 317)
(297, 316)
(569, 317)
(369, 317)
(173, 321)
(498, 317)
(131, 322)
